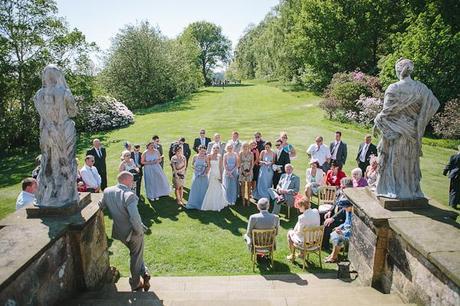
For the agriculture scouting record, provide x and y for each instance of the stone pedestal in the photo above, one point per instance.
(44, 261)
(62, 211)
(414, 253)
(398, 204)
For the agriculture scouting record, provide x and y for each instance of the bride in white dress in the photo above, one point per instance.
(215, 195)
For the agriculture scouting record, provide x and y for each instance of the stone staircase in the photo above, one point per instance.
(277, 290)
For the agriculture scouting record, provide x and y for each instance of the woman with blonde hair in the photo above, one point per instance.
(245, 170)
(308, 218)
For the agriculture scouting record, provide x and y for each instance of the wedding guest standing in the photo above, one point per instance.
(156, 184)
(314, 179)
(90, 175)
(99, 154)
(230, 176)
(235, 141)
(320, 152)
(159, 147)
(452, 169)
(288, 148)
(245, 172)
(365, 151)
(282, 159)
(338, 149)
(27, 195)
(185, 148)
(201, 141)
(178, 165)
(259, 141)
(136, 156)
(255, 169)
(265, 180)
(200, 180)
(127, 163)
(218, 142)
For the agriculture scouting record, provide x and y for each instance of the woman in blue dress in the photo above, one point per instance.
(156, 183)
(200, 179)
(264, 182)
(230, 181)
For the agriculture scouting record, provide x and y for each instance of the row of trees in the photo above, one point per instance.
(142, 68)
(307, 41)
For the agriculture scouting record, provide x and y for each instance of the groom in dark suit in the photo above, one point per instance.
(99, 161)
(338, 149)
(202, 140)
(136, 156)
(366, 149)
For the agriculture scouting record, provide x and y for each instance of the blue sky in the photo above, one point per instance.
(100, 20)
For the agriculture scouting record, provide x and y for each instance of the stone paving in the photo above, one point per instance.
(279, 290)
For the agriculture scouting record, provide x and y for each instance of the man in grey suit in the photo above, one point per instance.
(338, 149)
(261, 220)
(128, 227)
(216, 141)
(288, 186)
(235, 141)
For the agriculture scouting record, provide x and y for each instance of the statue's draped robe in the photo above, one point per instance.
(58, 174)
(408, 107)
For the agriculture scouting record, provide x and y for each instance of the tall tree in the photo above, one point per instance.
(32, 36)
(214, 46)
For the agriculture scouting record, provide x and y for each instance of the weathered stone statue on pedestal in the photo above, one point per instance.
(408, 107)
(58, 175)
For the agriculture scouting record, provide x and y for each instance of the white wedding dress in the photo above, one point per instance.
(215, 195)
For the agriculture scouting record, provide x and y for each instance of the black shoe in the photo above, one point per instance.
(146, 277)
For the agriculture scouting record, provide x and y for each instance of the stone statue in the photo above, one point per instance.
(408, 107)
(58, 176)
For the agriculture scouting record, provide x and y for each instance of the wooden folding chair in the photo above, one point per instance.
(326, 195)
(263, 242)
(312, 242)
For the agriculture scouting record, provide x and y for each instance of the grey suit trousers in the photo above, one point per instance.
(136, 253)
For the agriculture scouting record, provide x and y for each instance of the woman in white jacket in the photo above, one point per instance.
(314, 178)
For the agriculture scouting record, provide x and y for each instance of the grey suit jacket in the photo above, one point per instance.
(293, 187)
(262, 220)
(211, 144)
(122, 204)
(341, 155)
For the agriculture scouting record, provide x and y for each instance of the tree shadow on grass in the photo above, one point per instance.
(178, 104)
(15, 168)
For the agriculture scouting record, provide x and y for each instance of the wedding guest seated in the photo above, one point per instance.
(334, 175)
(261, 220)
(288, 186)
(341, 234)
(314, 179)
(358, 179)
(27, 195)
(90, 175)
(81, 187)
(371, 172)
(308, 218)
(336, 215)
(36, 171)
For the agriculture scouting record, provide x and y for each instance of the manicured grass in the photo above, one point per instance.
(209, 243)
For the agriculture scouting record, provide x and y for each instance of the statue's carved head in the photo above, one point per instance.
(53, 76)
(404, 68)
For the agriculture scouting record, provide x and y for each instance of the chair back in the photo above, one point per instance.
(313, 237)
(326, 195)
(263, 238)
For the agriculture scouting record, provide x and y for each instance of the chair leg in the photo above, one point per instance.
(304, 262)
(320, 261)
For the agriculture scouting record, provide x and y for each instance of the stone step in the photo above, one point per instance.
(240, 290)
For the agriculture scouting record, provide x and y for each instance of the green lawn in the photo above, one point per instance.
(206, 243)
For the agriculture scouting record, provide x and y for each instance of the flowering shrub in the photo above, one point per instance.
(104, 113)
(447, 123)
(353, 96)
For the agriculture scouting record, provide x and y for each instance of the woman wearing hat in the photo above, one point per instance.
(314, 178)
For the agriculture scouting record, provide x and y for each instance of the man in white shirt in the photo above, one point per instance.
(320, 152)
(90, 175)
(201, 141)
(27, 195)
(365, 151)
(235, 141)
(338, 149)
(218, 142)
(309, 218)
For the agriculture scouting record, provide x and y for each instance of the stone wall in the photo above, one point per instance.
(44, 261)
(414, 253)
